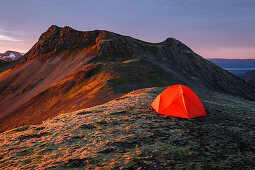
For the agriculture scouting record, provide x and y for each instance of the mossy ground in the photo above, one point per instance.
(126, 133)
(136, 74)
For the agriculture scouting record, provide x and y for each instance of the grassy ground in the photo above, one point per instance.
(126, 133)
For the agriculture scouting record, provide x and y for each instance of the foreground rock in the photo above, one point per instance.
(126, 133)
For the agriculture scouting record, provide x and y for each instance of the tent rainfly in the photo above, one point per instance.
(178, 101)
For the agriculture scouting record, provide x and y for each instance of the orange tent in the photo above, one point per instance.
(178, 101)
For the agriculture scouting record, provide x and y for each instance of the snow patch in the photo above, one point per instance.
(12, 56)
(9, 55)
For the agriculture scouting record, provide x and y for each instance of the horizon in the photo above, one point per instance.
(211, 29)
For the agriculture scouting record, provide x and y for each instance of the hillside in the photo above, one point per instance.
(126, 133)
(68, 70)
(249, 77)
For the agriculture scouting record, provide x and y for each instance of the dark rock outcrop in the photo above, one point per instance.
(57, 39)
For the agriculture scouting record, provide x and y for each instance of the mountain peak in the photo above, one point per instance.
(54, 30)
(172, 42)
(52, 27)
(57, 39)
(170, 39)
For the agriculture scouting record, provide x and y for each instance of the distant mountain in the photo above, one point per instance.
(249, 77)
(11, 55)
(238, 63)
(67, 70)
(235, 66)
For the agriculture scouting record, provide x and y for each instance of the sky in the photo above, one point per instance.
(211, 28)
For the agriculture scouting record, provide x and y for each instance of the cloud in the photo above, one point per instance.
(7, 38)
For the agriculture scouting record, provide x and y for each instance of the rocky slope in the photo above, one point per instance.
(11, 56)
(67, 70)
(126, 133)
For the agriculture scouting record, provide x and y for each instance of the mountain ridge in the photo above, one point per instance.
(61, 38)
(67, 70)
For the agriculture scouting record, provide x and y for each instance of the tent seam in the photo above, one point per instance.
(184, 103)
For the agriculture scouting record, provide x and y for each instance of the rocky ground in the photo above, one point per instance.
(126, 133)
